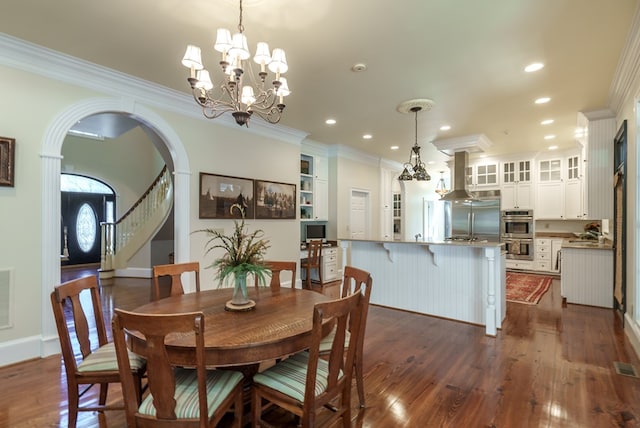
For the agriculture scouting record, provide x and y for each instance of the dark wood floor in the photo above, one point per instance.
(549, 367)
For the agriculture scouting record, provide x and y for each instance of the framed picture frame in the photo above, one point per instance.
(275, 200)
(7, 161)
(218, 193)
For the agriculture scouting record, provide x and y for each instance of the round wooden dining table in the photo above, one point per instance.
(279, 325)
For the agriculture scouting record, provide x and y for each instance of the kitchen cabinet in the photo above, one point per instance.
(586, 276)
(559, 188)
(482, 175)
(546, 254)
(519, 264)
(330, 264)
(542, 260)
(516, 190)
(314, 188)
(597, 152)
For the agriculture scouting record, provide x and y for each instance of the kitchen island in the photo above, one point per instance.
(463, 281)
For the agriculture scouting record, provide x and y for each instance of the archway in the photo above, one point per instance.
(51, 157)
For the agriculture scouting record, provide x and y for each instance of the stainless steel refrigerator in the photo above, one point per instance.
(475, 219)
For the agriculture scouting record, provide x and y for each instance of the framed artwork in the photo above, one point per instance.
(275, 200)
(7, 161)
(219, 192)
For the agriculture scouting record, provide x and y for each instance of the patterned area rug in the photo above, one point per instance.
(526, 288)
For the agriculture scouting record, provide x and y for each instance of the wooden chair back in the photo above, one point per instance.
(313, 260)
(66, 302)
(160, 370)
(175, 271)
(340, 366)
(277, 267)
(357, 280)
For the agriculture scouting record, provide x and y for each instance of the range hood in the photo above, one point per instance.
(460, 191)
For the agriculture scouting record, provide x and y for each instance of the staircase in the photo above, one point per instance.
(124, 238)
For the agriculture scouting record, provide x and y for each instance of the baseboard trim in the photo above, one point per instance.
(632, 331)
(15, 351)
(134, 273)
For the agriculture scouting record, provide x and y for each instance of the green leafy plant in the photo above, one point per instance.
(243, 250)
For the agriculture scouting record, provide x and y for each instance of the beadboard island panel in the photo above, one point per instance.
(463, 282)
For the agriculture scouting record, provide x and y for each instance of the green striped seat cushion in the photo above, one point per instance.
(327, 341)
(289, 376)
(220, 383)
(104, 359)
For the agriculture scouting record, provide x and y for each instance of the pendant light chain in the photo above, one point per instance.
(240, 26)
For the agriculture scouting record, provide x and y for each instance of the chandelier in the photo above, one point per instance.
(233, 94)
(441, 187)
(416, 171)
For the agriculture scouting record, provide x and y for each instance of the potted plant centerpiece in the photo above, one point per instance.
(243, 253)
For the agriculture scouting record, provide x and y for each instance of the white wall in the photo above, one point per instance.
(38, 102)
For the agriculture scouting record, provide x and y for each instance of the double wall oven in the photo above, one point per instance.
(516, 232)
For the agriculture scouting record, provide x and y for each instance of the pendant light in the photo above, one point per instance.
(417, 170)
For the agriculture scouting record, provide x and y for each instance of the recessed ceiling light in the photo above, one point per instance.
(534, 67)
(553, 147)
(394, 147)
(546, 122)
(549, 137)
(431, 163)
(445, 128)
(330, 121)
(543, 100)
(367, 136)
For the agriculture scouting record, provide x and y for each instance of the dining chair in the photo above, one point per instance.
(304, 383)
(175, 271)
(94, 364)
(277, 267)
(355, 280)
(178, 396)
(314, 257)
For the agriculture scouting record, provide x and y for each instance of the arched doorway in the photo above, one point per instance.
(50, 191)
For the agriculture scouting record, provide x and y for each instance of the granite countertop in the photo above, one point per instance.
(587, 244)
(454, 243)
(570, 240)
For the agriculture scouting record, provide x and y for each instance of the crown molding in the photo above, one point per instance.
(21, 55)
(627, 75)
(345, 152)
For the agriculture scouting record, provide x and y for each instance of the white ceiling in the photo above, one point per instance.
(466, 55)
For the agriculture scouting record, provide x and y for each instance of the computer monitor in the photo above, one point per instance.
(315, 231)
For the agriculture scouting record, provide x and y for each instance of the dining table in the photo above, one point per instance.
(279, 325)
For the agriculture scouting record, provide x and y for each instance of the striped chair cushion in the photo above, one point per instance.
(220, 383)
(327, 341)
(289, 376)
(104, 359)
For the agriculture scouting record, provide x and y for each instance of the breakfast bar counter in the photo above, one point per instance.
(463, 281)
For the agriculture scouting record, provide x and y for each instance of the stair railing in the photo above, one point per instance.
(117, 236)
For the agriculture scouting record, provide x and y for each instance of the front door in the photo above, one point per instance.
(82, 214)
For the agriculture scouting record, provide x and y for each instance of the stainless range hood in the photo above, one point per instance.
(460, 191)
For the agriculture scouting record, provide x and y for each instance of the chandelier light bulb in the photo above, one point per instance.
(204, 80)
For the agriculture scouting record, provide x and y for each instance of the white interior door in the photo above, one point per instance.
(359, 218)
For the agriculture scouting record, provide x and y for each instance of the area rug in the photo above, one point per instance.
(526, 288)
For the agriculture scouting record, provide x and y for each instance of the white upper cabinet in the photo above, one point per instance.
(484, 175)
(597, 142)
(516, 189)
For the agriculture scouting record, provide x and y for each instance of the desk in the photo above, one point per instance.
(279, 325)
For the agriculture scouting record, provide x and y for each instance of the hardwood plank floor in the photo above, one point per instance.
(549, 367)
